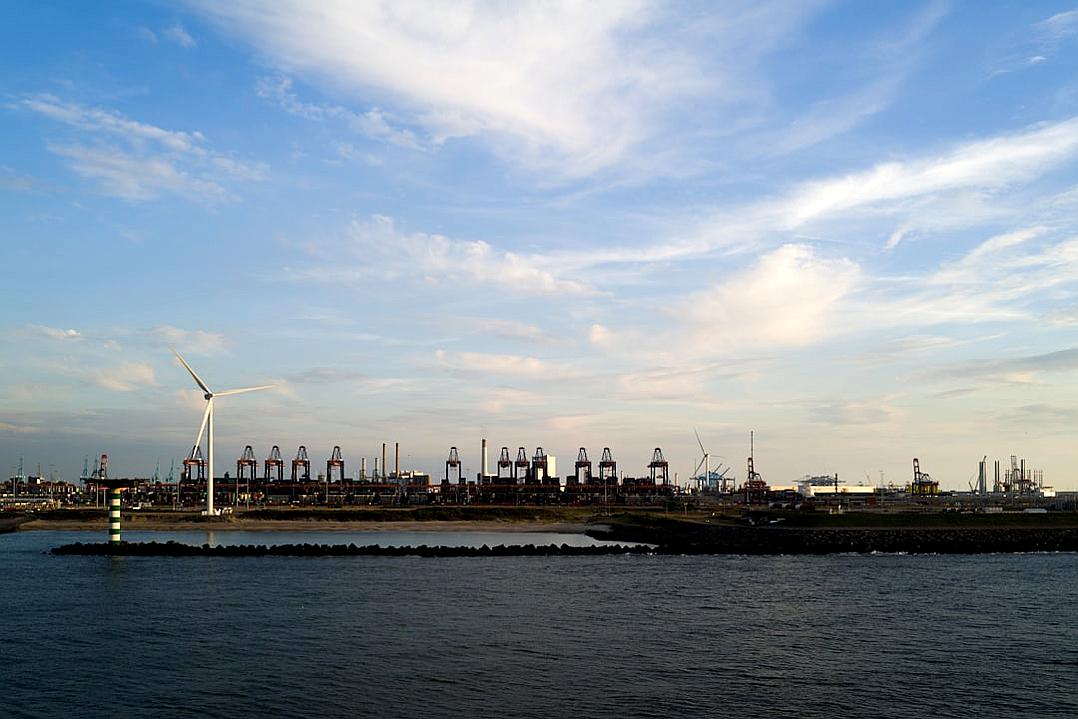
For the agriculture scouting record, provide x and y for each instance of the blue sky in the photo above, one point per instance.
(848, 226)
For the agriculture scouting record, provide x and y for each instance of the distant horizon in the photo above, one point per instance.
(850, 228)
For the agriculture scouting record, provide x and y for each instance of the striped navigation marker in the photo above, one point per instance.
(114, 515)
(115, 487)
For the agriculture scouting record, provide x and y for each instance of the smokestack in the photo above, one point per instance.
(363, 468)
(486, 467)
(397, 460)
(376, 468)
(996, 487)
(383, 459)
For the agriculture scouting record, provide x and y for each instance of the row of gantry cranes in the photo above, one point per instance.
(510, 475)
(540, 468)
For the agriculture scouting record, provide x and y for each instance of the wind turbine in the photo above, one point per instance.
(705, 462)
(207, 422)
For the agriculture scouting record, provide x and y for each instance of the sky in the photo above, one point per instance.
(849, 227)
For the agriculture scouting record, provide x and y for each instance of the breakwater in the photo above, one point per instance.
(176, 549)
(679, 537)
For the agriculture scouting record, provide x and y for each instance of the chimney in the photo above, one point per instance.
(397, 460)
(486, 466)
(383, 459)
(363, 468)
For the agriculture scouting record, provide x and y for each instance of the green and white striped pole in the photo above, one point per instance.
(114, 515)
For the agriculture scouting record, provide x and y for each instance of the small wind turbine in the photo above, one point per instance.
(705, 462)
(207, 421)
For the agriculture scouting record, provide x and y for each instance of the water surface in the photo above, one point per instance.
(620, 636)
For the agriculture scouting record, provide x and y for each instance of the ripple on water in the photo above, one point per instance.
(623, 636)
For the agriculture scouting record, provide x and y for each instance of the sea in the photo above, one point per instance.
(607, 637)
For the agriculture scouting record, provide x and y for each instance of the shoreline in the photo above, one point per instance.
(314, 525)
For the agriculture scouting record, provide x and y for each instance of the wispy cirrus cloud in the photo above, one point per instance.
(57, 333)
(137, 161)
(564, 79)
(561, 89)
(374, 123)
(992, 164)
(179, 35)
(506, 365)
(516, 331)
(376, 249)
(1016, 370)
(1058, 27)
(125, 377)
(137, 178)
(199, 342)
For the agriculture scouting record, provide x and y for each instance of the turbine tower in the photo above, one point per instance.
(207, 423)
(705, 461)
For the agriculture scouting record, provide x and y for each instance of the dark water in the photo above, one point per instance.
(622, 636)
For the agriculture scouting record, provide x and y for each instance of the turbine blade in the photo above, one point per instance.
(202, 427)
(696, 472)
(698, 440)
(242, 390)
(198, 380)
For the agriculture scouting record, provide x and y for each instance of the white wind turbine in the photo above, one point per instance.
(207, 421)
(705, 462)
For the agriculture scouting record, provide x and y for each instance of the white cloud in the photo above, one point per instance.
(57, 333)
(565, 85)
(380, 251)
(516, 331)
(600, 335)
(100, 120)
(1014, 370)
(1058, 27)
(189, 399)
(498, 400)
(136, 179)
(1002, 242)
(126, 377)
(10, 428)
(504, 365)
(374, 123)
(986, 164)
(153, 162)
(789, 297)
(180, 36)
(198, 342)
